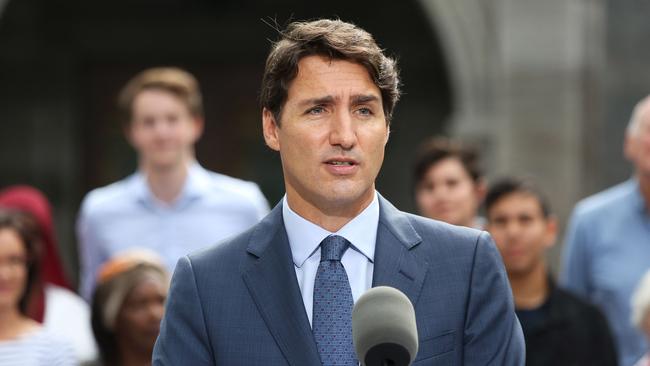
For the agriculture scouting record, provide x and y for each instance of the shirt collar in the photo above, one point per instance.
(305, 236)
(196, 185)
(198, 182)
(637, 197)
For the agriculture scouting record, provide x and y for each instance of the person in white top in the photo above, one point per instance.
(171, 205)
(51, 302)
(23, 341)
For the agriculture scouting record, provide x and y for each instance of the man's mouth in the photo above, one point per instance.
(345, 163)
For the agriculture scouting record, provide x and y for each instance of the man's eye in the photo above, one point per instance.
(452, 183)
(365, 111)
(149, 122)
(172, 118)
(499, 221)
(316, 110)
(525, 219)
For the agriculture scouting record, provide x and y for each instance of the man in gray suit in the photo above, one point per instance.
(282, 292)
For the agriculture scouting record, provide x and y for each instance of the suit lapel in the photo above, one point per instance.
(395, 263)
(271, 281)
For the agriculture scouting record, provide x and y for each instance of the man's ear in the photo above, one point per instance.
(199, 125)
(481, 190)
(270, 129)
(551, 231)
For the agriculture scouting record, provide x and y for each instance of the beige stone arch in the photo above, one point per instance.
(524, 74)
(466, 32)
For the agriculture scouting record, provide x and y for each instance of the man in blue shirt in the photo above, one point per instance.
(282, 292)
(171, 204)
(607, 246)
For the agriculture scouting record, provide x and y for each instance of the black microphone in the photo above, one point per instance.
(384, 329)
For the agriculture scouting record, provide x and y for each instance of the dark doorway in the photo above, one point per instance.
(67, 60)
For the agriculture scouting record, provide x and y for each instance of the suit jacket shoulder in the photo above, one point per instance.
(239, 302)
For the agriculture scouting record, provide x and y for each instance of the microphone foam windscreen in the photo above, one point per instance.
(383, 327)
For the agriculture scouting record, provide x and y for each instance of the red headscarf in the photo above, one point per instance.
(32, 201)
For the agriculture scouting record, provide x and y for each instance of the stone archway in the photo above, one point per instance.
(527, 83)
(467, 35)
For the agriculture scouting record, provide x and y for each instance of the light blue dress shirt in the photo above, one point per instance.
(305, 238)
(126, 215)
(607, 251)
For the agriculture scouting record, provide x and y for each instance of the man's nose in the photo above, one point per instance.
(513, 230)
(342, 130)
(161, 127)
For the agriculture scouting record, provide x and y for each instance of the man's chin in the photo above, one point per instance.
(350, 199)
(164, 162)
(519, 269)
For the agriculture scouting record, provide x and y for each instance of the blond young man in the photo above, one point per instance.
(171, 204)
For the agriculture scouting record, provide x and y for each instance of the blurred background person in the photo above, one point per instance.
(559, 328)
(52, 303)
(171, 205)
(58, 119)
(641, 313)
(127, 308)
(23, 341)
(29, 199)
(449, 184)
(607, 245)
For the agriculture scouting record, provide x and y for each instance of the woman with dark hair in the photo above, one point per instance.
(52, 302)
(127, 308)
(24, 341)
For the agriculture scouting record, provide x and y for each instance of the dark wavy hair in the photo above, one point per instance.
(509, 185)
(105, 338)
(334, 39)
(434, 150)
(27, 229)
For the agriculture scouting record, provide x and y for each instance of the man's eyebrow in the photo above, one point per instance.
(317, 101)
(366, 98)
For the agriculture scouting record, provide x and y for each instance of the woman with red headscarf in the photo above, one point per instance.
(52, 303)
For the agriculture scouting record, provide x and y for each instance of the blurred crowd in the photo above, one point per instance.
(132, 232)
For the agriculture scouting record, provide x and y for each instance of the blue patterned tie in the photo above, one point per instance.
(332, 317)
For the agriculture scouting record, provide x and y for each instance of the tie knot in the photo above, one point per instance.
(333, 247)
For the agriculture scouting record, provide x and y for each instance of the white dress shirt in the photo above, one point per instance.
(126, 215)
(305, 238)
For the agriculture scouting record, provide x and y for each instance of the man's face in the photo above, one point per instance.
(447, 192)
(637, 143)
(331, 136)
(162, 129)
(521, 231)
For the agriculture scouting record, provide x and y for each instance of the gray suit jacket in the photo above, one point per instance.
(238, 303)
